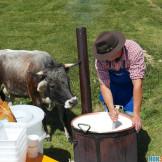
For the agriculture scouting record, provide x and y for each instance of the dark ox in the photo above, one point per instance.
(36, 75)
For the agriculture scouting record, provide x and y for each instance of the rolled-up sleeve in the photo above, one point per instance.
(137, 65)
(102, 72)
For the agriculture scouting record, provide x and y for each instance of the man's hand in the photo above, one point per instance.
(114, 115)
(137, 122)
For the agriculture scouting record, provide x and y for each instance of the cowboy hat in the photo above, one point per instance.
(107, 45)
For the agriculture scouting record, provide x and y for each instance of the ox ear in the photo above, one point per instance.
(43, 83)
(68, 66)
(41, 74)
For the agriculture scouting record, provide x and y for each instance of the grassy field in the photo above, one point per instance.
(50, 25)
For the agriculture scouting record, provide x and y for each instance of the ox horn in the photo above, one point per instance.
(71, 65)
(40, 73)
(41, 86)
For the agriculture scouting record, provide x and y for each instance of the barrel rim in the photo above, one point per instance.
(92, 132)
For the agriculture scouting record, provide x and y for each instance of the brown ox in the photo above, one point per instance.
(36, 75)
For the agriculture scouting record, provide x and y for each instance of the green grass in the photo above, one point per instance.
(50, 25)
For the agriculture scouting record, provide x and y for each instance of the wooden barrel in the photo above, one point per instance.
(96, 141)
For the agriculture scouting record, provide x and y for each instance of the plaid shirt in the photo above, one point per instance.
(132, 59)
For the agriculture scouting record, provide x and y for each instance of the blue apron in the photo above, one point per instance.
(122, 89)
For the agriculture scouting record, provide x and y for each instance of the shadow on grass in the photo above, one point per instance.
(58, 154)
(143, 140)
(54, 122)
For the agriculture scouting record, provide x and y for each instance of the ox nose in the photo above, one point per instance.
(71, 102)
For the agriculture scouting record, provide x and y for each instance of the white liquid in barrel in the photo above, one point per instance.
(101, 123)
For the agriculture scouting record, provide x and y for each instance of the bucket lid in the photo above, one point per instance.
(100, 122)
(27, 114)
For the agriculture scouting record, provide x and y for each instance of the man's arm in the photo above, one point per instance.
(108, 98)
(137, 100)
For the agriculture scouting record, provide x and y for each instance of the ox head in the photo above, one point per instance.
(54, 86)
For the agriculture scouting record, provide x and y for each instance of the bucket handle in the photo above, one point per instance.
(82, 127)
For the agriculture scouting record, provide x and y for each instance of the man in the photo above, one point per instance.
(120, 68)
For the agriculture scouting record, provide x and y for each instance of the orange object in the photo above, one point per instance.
(41, 158)
(48, 159)
(5, 112)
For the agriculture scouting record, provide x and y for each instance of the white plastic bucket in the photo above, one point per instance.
(32, 117)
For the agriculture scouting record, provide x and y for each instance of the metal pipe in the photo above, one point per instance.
(85, 88)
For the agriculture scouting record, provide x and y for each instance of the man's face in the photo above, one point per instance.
(116, 57)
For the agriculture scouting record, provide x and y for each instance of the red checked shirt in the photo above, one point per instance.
(132, 59)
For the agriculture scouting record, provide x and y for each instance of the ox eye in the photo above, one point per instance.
(52, 86)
